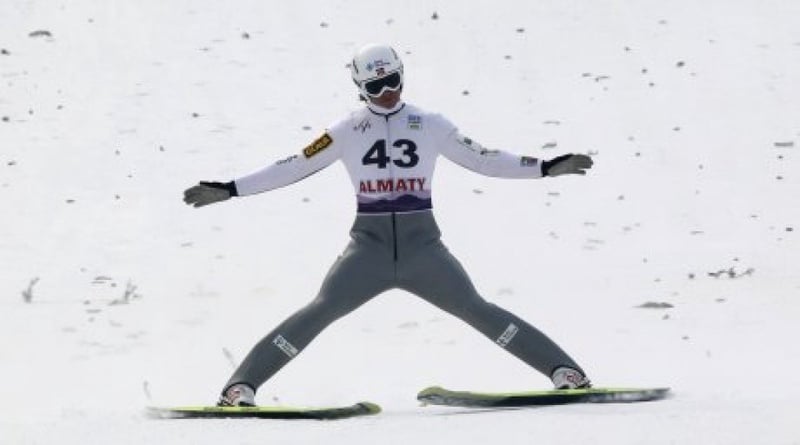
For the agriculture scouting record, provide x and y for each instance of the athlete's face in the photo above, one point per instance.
(388, 99)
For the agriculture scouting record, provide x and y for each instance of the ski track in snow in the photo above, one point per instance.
(671, 264)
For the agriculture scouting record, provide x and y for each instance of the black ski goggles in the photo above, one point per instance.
(392, 82)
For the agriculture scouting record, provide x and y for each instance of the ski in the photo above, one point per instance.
(436, 395)
(264, 412)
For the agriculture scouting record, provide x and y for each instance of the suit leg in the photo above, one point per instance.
(438, 277)
(356, 277)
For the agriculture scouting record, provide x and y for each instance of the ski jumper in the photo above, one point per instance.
(390, 156)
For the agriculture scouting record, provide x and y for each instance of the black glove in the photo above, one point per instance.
(206, 193)
(567, 165)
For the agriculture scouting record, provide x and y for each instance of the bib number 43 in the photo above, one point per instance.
(378, 154)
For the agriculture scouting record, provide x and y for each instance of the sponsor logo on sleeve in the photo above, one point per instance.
(471, 145)
(287, 160)
(318, 145)
(527, 161)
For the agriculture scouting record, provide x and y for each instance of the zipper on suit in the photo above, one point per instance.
(391, 174)
(394, 234)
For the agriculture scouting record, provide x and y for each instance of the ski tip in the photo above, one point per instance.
(430, 390)
(428, 394)
(369, 407)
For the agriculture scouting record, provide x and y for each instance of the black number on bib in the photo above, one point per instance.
(410, 156)
(378, 155)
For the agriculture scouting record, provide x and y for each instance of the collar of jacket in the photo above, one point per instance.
(385, 111)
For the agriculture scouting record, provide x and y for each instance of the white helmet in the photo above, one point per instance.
(375, 69)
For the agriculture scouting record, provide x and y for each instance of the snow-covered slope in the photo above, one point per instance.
(110, 109)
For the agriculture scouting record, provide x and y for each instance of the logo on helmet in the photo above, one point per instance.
(379, 65)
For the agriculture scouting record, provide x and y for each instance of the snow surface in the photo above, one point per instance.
(690, 108)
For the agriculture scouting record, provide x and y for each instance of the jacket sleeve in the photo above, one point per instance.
(471, 155)
(322, 152)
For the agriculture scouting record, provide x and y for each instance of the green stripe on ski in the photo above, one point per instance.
(440, 396)
(264, 412)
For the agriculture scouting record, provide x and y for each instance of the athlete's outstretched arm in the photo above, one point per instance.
(497, 163)
(318, 155)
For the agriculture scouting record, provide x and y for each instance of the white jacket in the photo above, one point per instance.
(390, 156)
